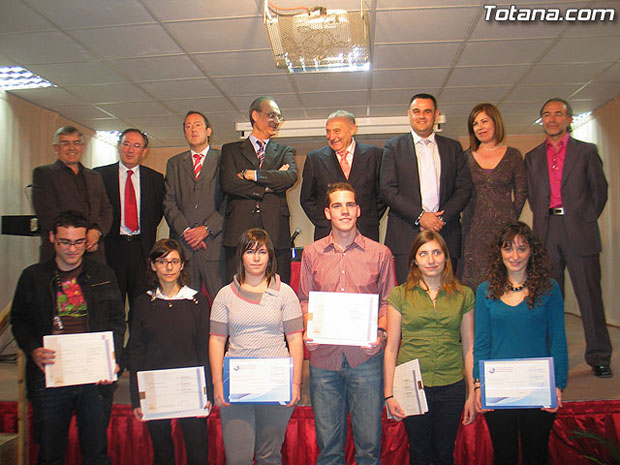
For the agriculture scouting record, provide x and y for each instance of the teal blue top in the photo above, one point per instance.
(503, 331)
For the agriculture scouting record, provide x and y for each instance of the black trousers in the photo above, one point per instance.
(195, 437)
(585, 275)
(432, 435)
(531, 426)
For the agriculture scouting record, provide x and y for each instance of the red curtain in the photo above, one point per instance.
(129, 441)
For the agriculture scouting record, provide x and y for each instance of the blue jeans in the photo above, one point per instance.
(334, 394)
(52, 411)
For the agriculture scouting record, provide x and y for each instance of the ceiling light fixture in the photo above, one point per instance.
(319, 40)
(16, 77)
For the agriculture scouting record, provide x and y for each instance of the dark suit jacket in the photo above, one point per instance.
(400, 188)
(243, 195)
(584, 193)
(54, 190)
(189, 203)
(151, 203)
(322, 168)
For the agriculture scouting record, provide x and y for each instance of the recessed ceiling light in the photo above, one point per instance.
(16, 77)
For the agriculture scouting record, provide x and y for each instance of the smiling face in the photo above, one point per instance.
(255, 261)
(422, 116)
(196, 132)
(339, 133)
(484, 128)
(131, 149)
(267, 121)
(555, 119)
(516, 254)
(342, 211)
(430, 259)
(168, 268)
(69, 149)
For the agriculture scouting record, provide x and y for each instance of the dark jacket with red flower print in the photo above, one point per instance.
(34, 307)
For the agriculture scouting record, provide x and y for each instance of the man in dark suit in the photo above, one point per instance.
(567, 192)
(68, 185)
(256, 174)
(194, 204)
(425, 181)
(136, 193)
(343, 160)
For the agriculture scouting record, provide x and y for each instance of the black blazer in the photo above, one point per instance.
(54, 190)
(269, 191)
(400, 188)
(584, 193)
(151, 203)
(322, 168)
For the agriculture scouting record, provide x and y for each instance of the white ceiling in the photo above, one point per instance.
(144, 63)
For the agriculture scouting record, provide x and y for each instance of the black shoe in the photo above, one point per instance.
(602, 371)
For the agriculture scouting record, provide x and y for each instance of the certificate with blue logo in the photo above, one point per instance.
(518, 383)
(258, 380)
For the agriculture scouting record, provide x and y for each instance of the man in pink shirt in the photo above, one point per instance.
(347, 379)
(567, 192)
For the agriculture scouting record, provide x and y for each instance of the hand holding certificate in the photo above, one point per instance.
(518, 383)
(408, 389)
(258, 380)
(81, 358)
(173, 393)
(341, 318)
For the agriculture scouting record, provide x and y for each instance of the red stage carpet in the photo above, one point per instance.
(129, 441)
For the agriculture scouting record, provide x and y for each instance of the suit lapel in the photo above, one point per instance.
(144, 190)
(569, 159)
(115, 200)
(248, 152)
(360, 159)
(411, 165)
(332, 165)
(443, 173)
(187, 163)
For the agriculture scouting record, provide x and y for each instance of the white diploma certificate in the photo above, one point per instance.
(341, 318)
(81, 358)
(408, 388)
(258, 380)
(173, 393)
(518, 383)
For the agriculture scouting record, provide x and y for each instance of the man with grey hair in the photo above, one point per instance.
(567, 192)
(343, 159)
(68, 185)
(256, 173)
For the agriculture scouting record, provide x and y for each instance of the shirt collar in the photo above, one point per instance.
(253, 139)
(358, 241)
(80, 166)
(135, 170)
(351, 148)
(417, 138)
(202, 154)
(563, 142)
(185, 293)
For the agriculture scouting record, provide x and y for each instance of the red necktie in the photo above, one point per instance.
(197, 165)
(131, 206)
(344, 163)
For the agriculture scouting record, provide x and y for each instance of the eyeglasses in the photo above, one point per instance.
(136, 146)
(277, 117)
(164, 262)
(67, 243)
(68, 143)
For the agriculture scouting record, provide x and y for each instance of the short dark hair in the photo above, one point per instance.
(67, 131)
(569, 109)
(194, 112)
(137, 131)
(425, 96)
(257, 105)
(161, 249)
(252, 239)
(339, 186)
(70, 219)
(492, 112)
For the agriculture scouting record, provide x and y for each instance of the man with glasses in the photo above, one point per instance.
(68, 185)
(67, 294)
(256, 173)
(136, 193)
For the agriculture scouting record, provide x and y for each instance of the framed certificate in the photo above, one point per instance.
(518, 383)
(81, 358)
(408, 388)
(258, 380)
(173, 393)
(342, 318)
